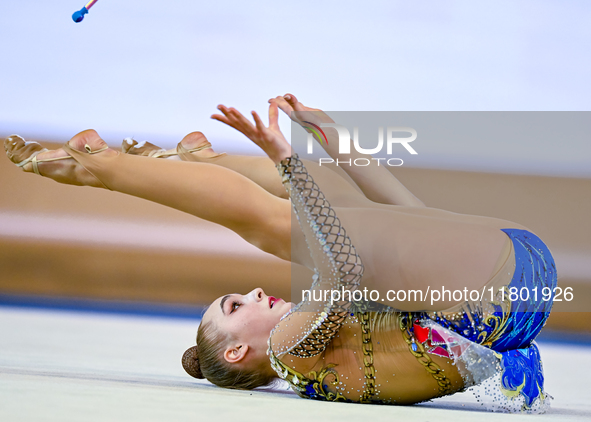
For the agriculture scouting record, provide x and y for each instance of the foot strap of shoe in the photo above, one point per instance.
(31, 158)
(89, 150)
(36, 162)
(162, 153)
(185, 154)
(180, 150)
(79, 155)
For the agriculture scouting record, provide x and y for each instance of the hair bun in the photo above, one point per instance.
(190, 362)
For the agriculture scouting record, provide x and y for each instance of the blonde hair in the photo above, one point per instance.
(206, 360)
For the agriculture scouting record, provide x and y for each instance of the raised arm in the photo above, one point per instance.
(307, 330)
(376, 182)
(317, 319)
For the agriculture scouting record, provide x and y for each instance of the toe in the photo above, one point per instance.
(144, 148)
(13, 142)
(127, 145)
(194, 139)
(199, 147)
(87, 140)
(14, 138)
(19, 151)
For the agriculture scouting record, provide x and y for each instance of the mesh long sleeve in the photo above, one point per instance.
(307, 330)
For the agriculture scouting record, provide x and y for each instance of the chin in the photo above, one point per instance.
(286, 307)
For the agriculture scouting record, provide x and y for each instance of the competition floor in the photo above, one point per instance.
(58, 365)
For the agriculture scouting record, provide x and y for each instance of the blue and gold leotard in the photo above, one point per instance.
(490, 341)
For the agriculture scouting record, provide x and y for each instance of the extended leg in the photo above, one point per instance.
(204, 190)
(195, 147)
(259, 169)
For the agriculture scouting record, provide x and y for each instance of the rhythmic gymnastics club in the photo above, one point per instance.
(79, 15)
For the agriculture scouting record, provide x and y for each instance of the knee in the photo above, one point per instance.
(272, 236)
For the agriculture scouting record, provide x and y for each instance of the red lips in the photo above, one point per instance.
(273, 300)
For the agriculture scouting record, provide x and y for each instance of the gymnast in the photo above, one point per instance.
(362, 231)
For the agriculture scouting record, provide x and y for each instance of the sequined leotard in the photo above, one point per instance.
(342, 351)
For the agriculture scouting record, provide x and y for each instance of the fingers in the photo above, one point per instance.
(229, 112)
(257, 133)
(229, 121)
(234, 114)
(283, 105)
(293, 101)
(260, 125)
(221, 118)
(273, 116)
(235, 119)
(296, 104)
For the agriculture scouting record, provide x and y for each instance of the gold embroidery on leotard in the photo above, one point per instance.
(498, 322)
(369, 370)
(311, 385)
(314, 382)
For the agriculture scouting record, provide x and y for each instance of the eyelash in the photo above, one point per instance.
(232, 308)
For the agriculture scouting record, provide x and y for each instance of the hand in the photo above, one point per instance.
(289, 104)
(269, 139)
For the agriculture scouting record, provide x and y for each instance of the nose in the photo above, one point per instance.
(257, 294)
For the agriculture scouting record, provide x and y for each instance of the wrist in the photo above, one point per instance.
(282, 155)
(286, 166)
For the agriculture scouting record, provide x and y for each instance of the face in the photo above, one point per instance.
(247, 318)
